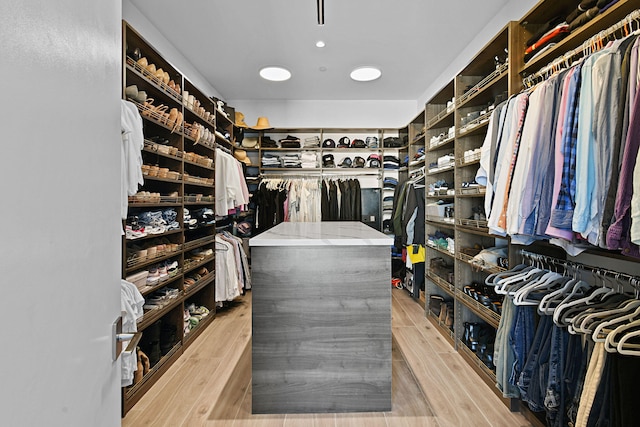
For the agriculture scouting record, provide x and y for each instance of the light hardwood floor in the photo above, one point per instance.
(210, 385)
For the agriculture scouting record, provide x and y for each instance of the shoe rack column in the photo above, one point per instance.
(482, 85)
(168, 249)
(439, 198)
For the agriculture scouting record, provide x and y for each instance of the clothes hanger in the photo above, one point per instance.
(545, 282)
(610, 343)
(602, 330)
(589, 322)
(626, 348)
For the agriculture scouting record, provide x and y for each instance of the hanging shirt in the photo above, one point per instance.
(130, 153)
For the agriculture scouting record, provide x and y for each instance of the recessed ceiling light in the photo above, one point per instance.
(275, 74)
(365, 74)
(320, 43)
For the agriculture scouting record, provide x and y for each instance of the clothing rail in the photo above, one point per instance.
(634, 280)
(225, 149)
(318, 175)
(589, 46)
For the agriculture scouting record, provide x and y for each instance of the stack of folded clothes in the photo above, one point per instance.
(267, 142)
(291, 161)
(270, 161)
(290, 142)
(390, 183)
(309, 160)
(311, 142)
(391, 162)
(546, 40)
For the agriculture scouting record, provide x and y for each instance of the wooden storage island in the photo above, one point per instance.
(321, 319)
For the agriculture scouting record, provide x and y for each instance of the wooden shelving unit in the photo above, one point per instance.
(186, 151)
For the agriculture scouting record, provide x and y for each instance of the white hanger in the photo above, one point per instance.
(601, 331)
(546, 281)
(610, 343)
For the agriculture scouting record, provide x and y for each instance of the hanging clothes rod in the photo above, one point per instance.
(222, 148)
(589, 46)
(635, 280)
(317, 175)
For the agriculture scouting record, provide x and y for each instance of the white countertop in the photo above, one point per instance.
(328, 233)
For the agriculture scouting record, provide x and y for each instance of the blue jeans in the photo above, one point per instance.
(530, 382)
(503, 355)
(521, 338)
(555, 394)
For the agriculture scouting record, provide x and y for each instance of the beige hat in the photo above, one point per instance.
(241, 155)
(240, 120)
(263, 123)
(250, 142)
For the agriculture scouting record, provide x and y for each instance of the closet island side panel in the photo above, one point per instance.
(321, 322)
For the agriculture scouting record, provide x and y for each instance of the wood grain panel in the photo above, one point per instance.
(321, 329)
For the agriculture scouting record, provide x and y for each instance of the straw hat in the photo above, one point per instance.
(250, 142)
(263, 123)
(241, 155)
(240, 120)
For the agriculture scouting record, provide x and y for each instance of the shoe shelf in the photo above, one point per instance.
(448, 288)
(468, 161)
(488, 268)
(193, 244)
(151, 236)
(440, 108)
(190, 290)
(443, 118)
(200, 165)
(147, 289)
(440, 221)
(190, 265)
(441, 144)
(473, 226)
(160, 204)
(196, 181)
(440, 196)
(447, 333)
(190, 336)
(441, 169)
(481, 92)
(150, 316)
(198, 199)
(167, 151)
(487, 374)
(151, 78)
(476, 125)
(486, 314)
(135, 265)
(157, 178)
(440, 250)
(134, 392)
(471, 192)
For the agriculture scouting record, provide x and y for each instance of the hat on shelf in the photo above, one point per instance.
(241, 155)
(329, 143)
(346, 163)
(250, 142)
(263, 123)
(240, 120)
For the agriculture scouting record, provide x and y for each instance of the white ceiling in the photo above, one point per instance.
(412, 41)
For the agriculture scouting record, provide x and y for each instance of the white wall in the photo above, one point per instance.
(142, 25)
(60, 252)
(328, 114)
(514, 10)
